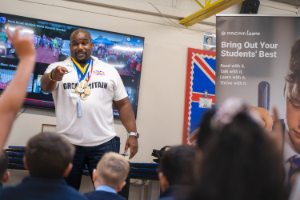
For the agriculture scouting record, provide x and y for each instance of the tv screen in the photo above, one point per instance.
(124, 52)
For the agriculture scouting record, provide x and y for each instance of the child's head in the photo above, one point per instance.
(49, 155)
(4, 174)
(112, 170)
(292, 95)
(176, 166)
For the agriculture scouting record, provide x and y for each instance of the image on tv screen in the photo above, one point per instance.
(52, 39)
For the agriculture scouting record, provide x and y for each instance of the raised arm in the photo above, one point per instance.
(13, 96)
(128, 120)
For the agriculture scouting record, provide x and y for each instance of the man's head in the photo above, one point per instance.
(112, 171)
(292, 94)
(176, 166)
(48, 155)
(4, 174)
(81, 45)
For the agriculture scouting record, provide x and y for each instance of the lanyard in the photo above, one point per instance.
(83, 73)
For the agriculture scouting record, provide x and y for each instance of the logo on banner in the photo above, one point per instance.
(2, 20)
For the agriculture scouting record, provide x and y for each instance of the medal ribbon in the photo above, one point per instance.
(84, 73)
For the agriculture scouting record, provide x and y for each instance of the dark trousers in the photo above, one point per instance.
(91, 157)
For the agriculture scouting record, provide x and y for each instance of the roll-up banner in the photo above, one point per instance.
(258, 60)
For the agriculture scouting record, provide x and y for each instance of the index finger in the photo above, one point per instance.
(8, 33)
(278, 124)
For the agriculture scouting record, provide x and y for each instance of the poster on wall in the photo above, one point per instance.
(258, 60)
(199, 92)
(209, 42)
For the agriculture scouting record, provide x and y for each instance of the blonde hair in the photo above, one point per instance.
(112, 169)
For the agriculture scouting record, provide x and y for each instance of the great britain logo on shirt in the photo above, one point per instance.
(101, 73)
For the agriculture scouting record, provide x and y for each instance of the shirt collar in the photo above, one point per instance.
(69, 62)
(106, 188)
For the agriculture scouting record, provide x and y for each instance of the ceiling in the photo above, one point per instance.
(290, 2)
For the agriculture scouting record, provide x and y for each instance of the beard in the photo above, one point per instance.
(82, 59)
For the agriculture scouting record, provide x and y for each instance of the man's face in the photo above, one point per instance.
(293, 120)
(81, 47)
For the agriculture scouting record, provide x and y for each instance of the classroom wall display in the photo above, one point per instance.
(258, 60)
(209, 42)
(52, 39)
(200, 91)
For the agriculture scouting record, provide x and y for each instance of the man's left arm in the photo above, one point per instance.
(128, 120)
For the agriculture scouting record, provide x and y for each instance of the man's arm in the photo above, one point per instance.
(13, 96)
(128, 120)
(48, 85)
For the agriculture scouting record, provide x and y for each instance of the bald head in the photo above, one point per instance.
(81, 46)
(78, 31)
(112, 169)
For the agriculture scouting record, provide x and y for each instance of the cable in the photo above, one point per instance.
(20, 113)
(180, 26)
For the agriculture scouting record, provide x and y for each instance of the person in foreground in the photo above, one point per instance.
(13, 95)
(4, 174)
(48, 158)
(242, 161)
(109, 177)
(175, 172)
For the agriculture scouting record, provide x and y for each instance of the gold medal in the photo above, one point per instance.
(87, 91)
(84, 97)
(83, 84)
(76, 90)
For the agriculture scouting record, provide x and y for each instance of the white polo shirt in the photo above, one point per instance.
(96, 125)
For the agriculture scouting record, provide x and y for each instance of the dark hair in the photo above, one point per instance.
(177, 164)
(48, 155)
(208, 38)
(240, 164)
(293, 76)
(205, 130)
(3, 164)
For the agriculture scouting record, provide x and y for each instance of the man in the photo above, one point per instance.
(83, 100)
(291, 150)
(176, 172)
(4, 174)
(48, 157)
(109, 177)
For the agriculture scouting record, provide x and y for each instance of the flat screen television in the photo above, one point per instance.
(124, 52)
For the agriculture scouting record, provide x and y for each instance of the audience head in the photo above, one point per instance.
(176, 166)
(49, 155)
(241, 162)
(112, 170)
(4, 174)
(205, 131)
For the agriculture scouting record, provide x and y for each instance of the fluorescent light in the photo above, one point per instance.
(127, 48)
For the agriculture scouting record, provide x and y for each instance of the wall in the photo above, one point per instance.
(162, 88)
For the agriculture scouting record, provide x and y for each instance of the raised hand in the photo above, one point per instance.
(23, 45)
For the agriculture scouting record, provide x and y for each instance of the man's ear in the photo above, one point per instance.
(121, 186)
(67, 170)
(5, 177)
(164, 183)
(95, 173)
(25, 163)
